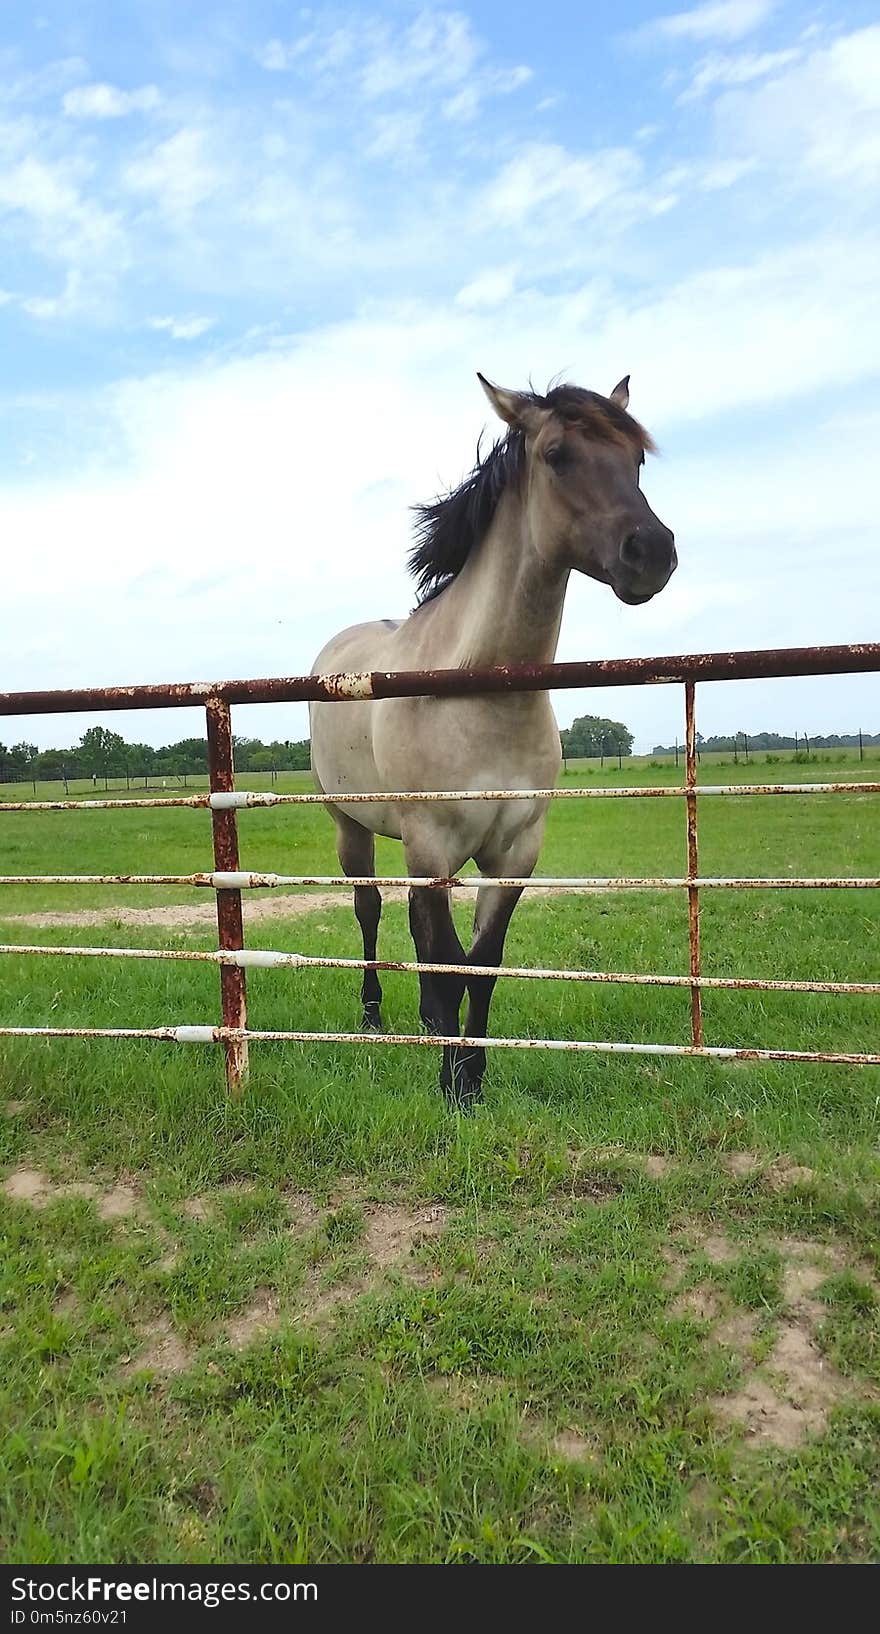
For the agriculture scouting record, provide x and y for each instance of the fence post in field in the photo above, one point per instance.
(861, 746)
(230, 928)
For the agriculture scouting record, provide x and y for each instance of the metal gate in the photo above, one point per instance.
(228, 881)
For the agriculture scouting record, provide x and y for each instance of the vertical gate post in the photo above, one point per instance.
(692, 868)
(230, 928)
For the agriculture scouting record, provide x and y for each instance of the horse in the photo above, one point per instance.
(558, 493)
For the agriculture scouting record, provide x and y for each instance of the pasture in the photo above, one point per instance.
(626, 1311)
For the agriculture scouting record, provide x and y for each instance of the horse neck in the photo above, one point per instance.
(505, 606)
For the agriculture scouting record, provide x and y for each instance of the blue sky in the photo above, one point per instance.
(252, 255)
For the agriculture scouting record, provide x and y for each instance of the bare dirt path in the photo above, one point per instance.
(178, 916)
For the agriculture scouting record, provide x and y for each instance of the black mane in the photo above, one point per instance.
(447, 529)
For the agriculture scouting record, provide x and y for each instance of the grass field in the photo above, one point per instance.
(627, 1311)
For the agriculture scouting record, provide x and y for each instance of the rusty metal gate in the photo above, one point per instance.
(228, 880)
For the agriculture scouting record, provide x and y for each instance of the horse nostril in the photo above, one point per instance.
(632, 551)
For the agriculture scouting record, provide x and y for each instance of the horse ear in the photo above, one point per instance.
(512, 406)
(620, 394)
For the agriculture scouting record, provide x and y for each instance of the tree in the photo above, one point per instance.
(591, 735)
(102, 751)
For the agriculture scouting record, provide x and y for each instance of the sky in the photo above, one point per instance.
(252, 256)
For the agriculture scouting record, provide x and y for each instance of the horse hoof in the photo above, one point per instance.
(372, 1020)
(464, 1093)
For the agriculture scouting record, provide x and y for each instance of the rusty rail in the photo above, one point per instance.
(271, 959)
(222, 881)
(244, 799)
(228, 880)
(764, 664)
(230, 1035)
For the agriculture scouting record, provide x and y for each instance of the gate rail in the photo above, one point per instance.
(227, 879)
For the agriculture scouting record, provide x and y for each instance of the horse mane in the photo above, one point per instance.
(448, 528)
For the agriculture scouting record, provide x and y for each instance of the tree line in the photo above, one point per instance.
(101, 753)
(775, 740)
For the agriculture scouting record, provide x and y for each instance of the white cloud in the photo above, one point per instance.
(49, 308)
(438, 54)
(490, 289)
(717, 20)
(466, 103)
(183, 328)
(819, 119)
(544, 173)
(723, 70)
(66, 226)
(396, 135)
(178, 172)
(274, 56)
(101, 101)
(438, 48)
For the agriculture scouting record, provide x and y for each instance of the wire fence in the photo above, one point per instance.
(227, 880)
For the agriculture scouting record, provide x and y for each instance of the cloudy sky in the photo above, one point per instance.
(252, 255)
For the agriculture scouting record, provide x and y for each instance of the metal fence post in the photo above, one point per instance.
(230, 928)
(692, 868)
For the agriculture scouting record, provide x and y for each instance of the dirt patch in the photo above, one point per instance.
(595, 1188)
(391, 1236)
(317, 1304)
(32, 1186)
(701, 1303)
(196, 1208)
(657, 1167)
(66, 1305)
(799, 1281)
(798, 1386)
(164, 1352)
(737, 1331)
(676, 1265)
(742, 1165)
(573, 1447)
(781, 1175)
(568, 1444)
(13, 1109)
(765, 1416)
(302, 1209)
(257, 1318)
(719, 1250)
(391, 1233)
(28, 1186)
(118, 1203)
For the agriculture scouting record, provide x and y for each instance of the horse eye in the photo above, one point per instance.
(555, 456)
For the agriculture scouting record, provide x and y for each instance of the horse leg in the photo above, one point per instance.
(492, 915)
(356, 848)
(428, 852)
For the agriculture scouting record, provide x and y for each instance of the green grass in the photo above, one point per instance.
(412, 1408)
